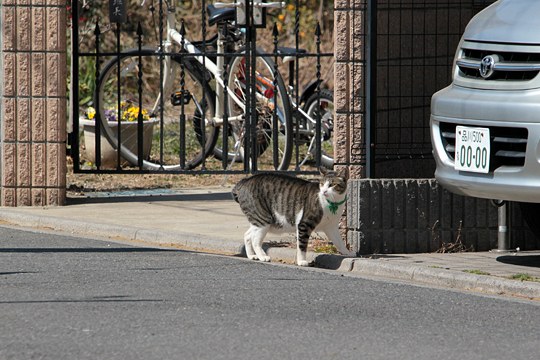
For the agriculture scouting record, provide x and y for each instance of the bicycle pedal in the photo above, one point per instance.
(181, 97)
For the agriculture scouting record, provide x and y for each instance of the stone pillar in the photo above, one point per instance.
(349, 85)
(33, 102)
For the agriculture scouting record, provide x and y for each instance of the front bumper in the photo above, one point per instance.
(482, 108)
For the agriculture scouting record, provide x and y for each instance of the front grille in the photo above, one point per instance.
(508, 145)
(512, 66)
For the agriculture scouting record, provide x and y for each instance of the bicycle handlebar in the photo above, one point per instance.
(220, 5)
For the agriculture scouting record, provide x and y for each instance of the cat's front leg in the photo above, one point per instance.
(332, 232)
(303, 232)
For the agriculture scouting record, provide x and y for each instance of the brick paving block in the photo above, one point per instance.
(23, 164)
(9, 164)
(23, 74)
(341, 38)
(39, 74)
(56, 113)
(24, 22)
(9, 123)
(38, 29)
(9, 196)
(341, 87)
(10, 74)
(39, 160)
(24, 196)
(23, 119)
(9, 28)
(39, 118)
(54, 31)
(39, 196)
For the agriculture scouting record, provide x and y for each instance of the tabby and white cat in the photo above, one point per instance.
(280, 203)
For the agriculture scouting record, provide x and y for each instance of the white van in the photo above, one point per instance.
(485, 126)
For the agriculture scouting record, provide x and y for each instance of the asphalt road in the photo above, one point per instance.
(71, 298)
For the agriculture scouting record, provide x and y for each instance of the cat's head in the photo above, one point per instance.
(333, 184)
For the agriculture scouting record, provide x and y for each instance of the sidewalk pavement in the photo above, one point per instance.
(208, 220)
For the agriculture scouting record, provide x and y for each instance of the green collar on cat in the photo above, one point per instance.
(334, 205)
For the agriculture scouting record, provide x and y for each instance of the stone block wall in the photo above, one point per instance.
(33, 102)
(388, 216)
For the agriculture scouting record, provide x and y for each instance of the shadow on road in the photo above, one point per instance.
(145, 196)
(81, 250)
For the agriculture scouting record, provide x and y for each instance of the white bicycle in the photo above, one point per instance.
(192, 90)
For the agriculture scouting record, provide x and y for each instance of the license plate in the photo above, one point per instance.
(472, 149)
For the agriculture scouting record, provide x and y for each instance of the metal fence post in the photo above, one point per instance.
(371, 87)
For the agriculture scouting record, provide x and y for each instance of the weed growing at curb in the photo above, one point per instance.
(524, 277)
(454, 247)
(476, 272)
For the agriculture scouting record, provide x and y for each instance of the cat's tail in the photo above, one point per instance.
(237, 188)
(234, 193)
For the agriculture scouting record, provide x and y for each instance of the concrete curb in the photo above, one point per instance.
(432, 276)
(188, 241)
(369, 267)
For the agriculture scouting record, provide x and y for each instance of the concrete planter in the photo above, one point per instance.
(128, 134)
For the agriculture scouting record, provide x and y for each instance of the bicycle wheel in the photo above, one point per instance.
(323, 108)
(273, 141)
(170, 150)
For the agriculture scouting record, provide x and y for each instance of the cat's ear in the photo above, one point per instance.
(323, 171)
(343, 172)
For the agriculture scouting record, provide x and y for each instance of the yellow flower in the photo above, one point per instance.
(290, 7)
(281, 17)
(91, 113)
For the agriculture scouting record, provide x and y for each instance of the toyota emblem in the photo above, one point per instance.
(487, 66)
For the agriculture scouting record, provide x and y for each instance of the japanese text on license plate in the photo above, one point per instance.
(472, 149)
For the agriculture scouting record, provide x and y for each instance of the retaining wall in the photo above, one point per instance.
(417, 215)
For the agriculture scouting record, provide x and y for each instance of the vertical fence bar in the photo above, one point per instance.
(161, 85)
(119, 100)
(318, 119)
(74, 86)
(250, 145)
(371, 87)
(97, 127)
(204, 105)
(182, 124)
(225, 106)
(139, 90)
(296, 125)
(253, 90)
(275, 127)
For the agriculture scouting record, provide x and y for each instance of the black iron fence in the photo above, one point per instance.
(186, 86)
(410, 46)
(273, 107)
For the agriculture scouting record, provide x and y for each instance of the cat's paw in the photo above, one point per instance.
(265, 258)
(303, 263)
(252, 257)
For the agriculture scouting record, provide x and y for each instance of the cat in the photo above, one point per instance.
(280, 203)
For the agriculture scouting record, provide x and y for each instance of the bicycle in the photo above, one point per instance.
(212, 95)
(313, 103)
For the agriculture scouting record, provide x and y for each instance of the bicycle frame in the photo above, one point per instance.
(216, 69)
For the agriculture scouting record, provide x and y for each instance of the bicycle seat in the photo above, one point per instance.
(218, 15)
